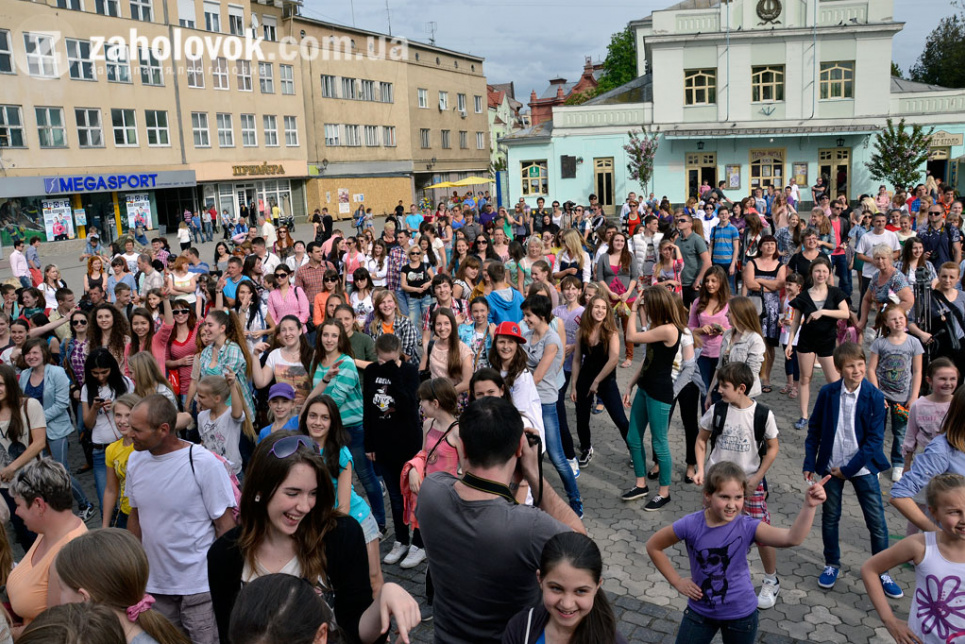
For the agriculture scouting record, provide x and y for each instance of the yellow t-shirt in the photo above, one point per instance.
(116, 456)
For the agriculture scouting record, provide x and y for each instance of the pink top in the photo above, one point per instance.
(159, 346)
(711, 342)
(178, 350)
(445, 458)
(295, 303)
(924, 423)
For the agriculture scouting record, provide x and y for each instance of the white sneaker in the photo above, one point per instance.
(896, 473)
(415, 557)
(397, 552)
(575, 466)
(768, 595)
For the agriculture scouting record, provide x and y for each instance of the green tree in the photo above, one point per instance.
(942, 62)
(896, 70)
(900, 154)
(620, 66)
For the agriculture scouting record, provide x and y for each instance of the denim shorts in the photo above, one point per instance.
(370, 529)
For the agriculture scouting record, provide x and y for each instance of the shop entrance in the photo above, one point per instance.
(701, 166)
(835, 166)
(99, 207)
(938, 163)
(603, 175)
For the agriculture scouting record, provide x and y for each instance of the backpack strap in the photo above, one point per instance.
(717, 424)
(761, 414)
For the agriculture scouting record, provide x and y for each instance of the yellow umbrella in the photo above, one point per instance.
(444, 184)
(471, 181)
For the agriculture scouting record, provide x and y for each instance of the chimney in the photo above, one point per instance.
(559, 92)
(532, 96)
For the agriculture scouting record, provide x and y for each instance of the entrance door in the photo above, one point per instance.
(603, 175)
(835, 166)
(938, 163)
(246, 196)
(701, 166)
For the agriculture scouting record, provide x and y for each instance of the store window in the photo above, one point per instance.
(767, 168)
(535, 177)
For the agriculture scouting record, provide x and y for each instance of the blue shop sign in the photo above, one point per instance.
(68, 184)
(99, 183)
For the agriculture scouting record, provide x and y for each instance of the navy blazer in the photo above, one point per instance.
(869, 430)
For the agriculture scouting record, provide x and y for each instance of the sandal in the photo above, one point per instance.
(793, 393)
(766, 389)
(785, 390)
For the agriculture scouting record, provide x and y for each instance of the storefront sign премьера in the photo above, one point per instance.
(254, 170)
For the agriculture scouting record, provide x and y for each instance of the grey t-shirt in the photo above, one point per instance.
(483, 558)
(547, 387)
(691, 248)
(894, 366)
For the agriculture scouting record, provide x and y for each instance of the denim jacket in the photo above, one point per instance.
(56, 400)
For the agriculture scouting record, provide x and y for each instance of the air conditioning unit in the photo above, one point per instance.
(462, 113)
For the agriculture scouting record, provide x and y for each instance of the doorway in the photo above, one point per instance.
(701, 166)
(603, 182)
(938, 163)
(835, 166)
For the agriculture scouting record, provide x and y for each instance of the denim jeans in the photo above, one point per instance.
(100, 477)
(697, 629)
(708, 367)
(566, 438)
(898, 426)
(208, 230)
(791, 367)
(869, 498)
(58, 451)
(418, 305)
(366, 473)
(196, 235)
(25, 281)
(609, 395)
(647, 411)
(840, 265)
(402, 298)
(554, 447)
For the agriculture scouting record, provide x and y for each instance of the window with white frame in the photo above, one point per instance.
(50, 127)
(6, 53)
(348, 88)
(270, 24)
(286, 73)
(195, 70)
(244, 75)
(79, 62)
(270, 123)
(226, 130)
(446, 143)
(212, 16)
(477, 104)
(186, 13)
(124, 123)
(767, 83)
(386, 91)
(75, 5)
(266, 78)
(118, 64)
(388, 136)
(424, 137)
(463, 139)
(249, 132)
(41, 57)
(199, 127)
(353, 137)
(236, 20)
(332, 138)
(423, 98)
(368, 90)
(90, 132)
(837, 80)
(219, 73)
(291, 131)
(443, 101)
(371, 136)
(11, 127)
(108, 7)
(150, 68)
(461, 102)
(329, 86)
(158, 134)
(142, 10)
(700, 86)
(480, 140)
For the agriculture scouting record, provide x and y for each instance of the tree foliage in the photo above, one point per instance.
(620, 66)
(942, 61)
(900, 154)
(641, 150)
(896, 70)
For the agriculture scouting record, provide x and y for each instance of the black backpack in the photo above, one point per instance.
(761, 412)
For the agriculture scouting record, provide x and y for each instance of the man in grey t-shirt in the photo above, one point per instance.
(483, 547)
(696, 257)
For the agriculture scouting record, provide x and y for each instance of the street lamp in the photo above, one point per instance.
(700, 145)
(840, 143)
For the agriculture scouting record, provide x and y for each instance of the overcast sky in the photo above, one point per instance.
(532, 41)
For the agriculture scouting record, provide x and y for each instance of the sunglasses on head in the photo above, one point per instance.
(290, 444)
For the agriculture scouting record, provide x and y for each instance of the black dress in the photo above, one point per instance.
(820, 335)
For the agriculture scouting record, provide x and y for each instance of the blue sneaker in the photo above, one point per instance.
(801, 424)
(578, 508)
(890, 587)
(829, 576)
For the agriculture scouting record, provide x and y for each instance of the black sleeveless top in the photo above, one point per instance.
(656, 375)
(594, 359)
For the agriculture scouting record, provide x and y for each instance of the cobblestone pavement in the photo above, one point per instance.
(647, 607)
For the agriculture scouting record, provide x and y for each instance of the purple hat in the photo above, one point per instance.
(281, 390)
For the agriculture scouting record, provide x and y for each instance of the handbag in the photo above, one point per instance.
(426, 374)
(175, 379)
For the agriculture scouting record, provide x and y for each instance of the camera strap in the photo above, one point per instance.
(490, 487)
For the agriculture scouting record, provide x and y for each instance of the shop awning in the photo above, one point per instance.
(471, 181)
(753, 133)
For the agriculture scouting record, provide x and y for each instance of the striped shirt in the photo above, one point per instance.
(345, 388)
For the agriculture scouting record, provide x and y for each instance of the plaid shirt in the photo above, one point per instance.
(406, 332)
(310, 278)
(397, 259)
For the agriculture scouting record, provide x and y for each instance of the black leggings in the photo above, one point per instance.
(689, 399)
(609, 395)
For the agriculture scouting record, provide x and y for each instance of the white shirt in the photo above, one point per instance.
(868, 241)
(268, 232)
(269, 263)
(222, 435)
(736, 441)
(294, 264)
(845, 441)
(176, 509)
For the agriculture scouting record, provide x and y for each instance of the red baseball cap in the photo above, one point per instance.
(510, 329)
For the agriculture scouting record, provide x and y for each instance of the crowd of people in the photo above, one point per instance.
(245, 419)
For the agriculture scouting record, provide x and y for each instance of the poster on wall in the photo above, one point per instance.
(80, 217)
(328, 196)
(139, 211)
(58, 219)
(344, 208)
(733, 173)
(800, 173)
(343, 196)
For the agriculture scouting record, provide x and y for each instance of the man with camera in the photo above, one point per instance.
(483, 547)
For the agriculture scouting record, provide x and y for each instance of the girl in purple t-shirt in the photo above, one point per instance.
(721, 593)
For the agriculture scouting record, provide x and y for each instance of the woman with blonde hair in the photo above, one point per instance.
(181, 283)
(109, 567)
(386, 318)
(742, 342)
(147, 377)
(572, 260)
